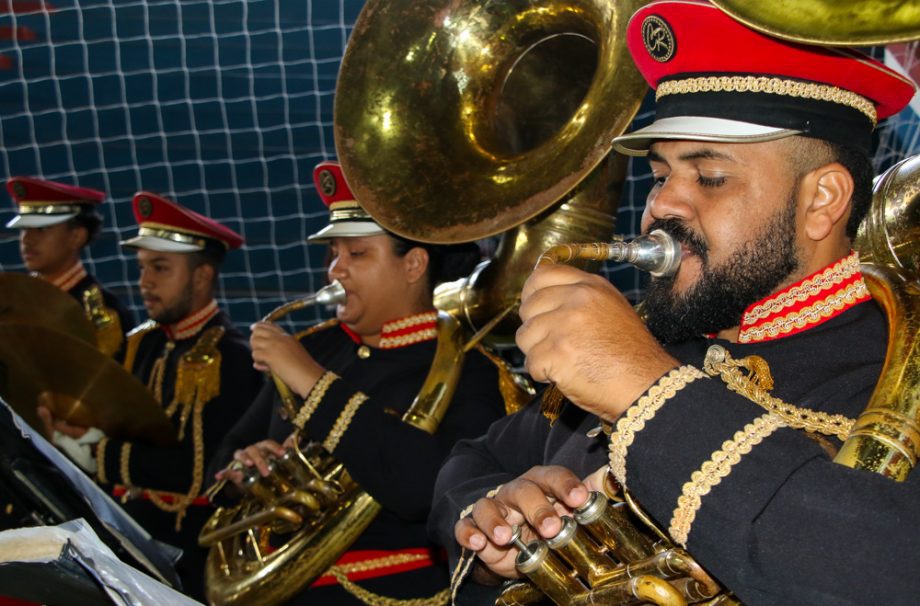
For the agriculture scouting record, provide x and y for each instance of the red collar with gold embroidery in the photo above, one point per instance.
(409, 330)
(71, 277)
(806, 304)
(187, 328)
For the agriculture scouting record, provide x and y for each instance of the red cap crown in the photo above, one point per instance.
(42, 203)
(30, 190)
(330, 183)
(704, 64)
(347, 219)
(166, 226)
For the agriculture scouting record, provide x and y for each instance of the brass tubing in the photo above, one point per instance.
(657, 253)
(262, 517)
(610, 524)
(574, 546)
(549, 573)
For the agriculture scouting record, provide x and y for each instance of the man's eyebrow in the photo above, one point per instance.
(706, 154)
(655, 157)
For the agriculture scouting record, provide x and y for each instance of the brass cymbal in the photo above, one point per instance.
(28, 300)
(830, 22)
(81, 384)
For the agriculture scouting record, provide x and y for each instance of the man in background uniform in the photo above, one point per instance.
(56, 222)
(196, 364)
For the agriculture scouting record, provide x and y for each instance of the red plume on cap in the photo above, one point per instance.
(168, 227)
(42, 203)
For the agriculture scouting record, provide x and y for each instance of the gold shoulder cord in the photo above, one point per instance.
(515, 389)
(755, 386)
(643, 411)
(109, 335)
(197, 383)
(133, 339)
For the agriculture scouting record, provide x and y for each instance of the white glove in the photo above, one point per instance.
(80, 449)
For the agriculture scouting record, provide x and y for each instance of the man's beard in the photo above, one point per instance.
(723, 293)
(179, 311)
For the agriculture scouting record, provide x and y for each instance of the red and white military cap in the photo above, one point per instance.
(718, 80)
(42, 203)
(164, 226)
(347, 219)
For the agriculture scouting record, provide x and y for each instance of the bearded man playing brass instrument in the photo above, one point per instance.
(759, 152)
(353, 378)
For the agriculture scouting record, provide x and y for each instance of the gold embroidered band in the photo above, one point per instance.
(807, 315)
(775, 86)
(315, 396)
(100, 460)
(817, 284)
(47, 208)
(170, 233)
(637, 416)
(719, 362)
(344, 420)
(714, 470)
(124, 464)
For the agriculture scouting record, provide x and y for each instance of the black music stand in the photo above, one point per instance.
(47, 489)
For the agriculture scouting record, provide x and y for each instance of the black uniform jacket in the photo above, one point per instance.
(782, 524)
(168, 475)
(393, 461)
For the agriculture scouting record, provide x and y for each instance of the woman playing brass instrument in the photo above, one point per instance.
(354, 377)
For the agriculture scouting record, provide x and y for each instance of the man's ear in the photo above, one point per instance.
(203, 277)
(416, 264)
(827, 193)
(77, 238)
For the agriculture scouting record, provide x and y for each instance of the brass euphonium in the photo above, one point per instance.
(289, 527)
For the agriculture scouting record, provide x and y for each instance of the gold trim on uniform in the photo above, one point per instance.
(771, 85)
(720, 362)
(713, 471)
(315, 396)
(808, 315)
(344, 420)
(124, 466)
(168, 232)
(47, 208)
(197, 383)
(643, 411)
(71, 277)
(100, 460)
(418, 322)
(831, 276)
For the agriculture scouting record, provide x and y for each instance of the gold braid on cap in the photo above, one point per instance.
(765, 84)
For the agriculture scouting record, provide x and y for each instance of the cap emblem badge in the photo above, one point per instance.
(327, 182)
(19, 189)
(658, 38)
(145, 206)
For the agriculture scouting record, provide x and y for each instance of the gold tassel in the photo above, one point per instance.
(197, 383)
(515, 389)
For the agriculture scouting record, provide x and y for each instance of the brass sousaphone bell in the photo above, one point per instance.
(830, 22)
(454, 121)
